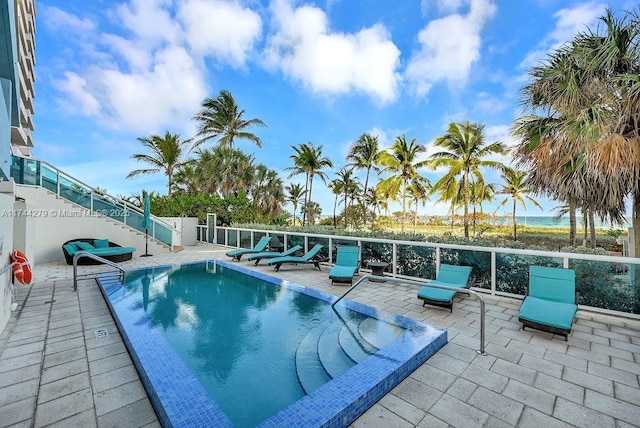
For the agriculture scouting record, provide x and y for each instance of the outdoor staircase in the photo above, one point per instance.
(331, 349)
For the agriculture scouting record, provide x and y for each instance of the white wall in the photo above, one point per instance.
(187, 227)
(6, 246)
(56, 221)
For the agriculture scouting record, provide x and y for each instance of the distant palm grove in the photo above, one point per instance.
(578, 141)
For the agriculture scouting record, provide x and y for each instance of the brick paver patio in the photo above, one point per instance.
(58, 368)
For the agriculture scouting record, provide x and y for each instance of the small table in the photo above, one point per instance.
(377, 269)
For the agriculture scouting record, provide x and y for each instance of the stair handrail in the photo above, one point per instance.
(127, 204)
(77, 256)
(378, 278)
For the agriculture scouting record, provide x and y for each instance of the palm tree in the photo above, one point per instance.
(465, 150)
(515, 185)
(349, 184)
(165, 156)
(418, 192)
(479, 193)
(225, 171)
(336, 188)
(363, 154)
(309, 160)
(295, 197)
(222, 119)
(590, 86)
(267, 191)
(402, 161)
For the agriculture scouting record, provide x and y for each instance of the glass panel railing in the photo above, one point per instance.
(608, 285)
(245, 239)
(416, 261)
(36, 173)
(480, 261)
(377, 252)
(232, 237)
(25, 171)
(49, 179)
(512, 271)
(163, 233)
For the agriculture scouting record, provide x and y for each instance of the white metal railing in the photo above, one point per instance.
(35, 172)
(627, 277)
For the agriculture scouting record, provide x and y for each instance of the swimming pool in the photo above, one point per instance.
(176, 344)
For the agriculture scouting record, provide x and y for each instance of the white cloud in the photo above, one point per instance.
(569, 22)
(448, 48)
(79, 99)
(56, 19)
(306, 50)
(488, 103)
(223, 29)
(149, 75)
(150, 21)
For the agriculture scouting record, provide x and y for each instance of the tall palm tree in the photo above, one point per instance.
(464, 154)
(480, 193)
(418, 192)
(308, 160)
(401, 160)
(225, 171)
(220, 118)
(363, 154)
(165, 156)
(295, 195)
(516, 187)
(267, 191)
(336, 188)
(349, 184)
(591, 87)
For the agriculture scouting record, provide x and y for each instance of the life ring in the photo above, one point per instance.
(21, 267)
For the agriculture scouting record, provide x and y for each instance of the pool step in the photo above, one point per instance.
(353, 343)
(311, 374)
(379, 334)
(332, 357)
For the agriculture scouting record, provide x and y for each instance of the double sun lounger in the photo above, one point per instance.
(549, 305)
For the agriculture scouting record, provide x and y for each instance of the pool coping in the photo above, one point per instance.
(337, 403)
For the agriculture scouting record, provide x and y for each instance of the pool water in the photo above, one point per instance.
(255, 345)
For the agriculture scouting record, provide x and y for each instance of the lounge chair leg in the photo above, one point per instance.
(278, 267)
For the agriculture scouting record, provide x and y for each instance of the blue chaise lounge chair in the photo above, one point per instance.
(550, 304)
(239, 252)
(272, 254)
(449, 275)
(310, 257)
(347, 263)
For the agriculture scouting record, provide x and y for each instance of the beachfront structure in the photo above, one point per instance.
(17, 18)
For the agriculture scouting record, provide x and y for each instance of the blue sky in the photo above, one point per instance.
(323, 72)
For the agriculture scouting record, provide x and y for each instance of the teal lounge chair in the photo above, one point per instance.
(550, 304)
(347, 263)
(310, 257)
(239, 252)
(272, 254)
(451, 276)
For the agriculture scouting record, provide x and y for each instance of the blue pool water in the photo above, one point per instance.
(220, 345)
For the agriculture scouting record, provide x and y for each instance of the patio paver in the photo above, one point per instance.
(54, 370)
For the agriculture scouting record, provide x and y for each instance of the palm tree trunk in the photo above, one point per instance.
(585, 226)
(309, 202)
(364, 198)
(345, 208)
(634, 270)
(466, 205)
(592, 228)
(572, 225)
(335, 205)
(515, 225)
(404, 202)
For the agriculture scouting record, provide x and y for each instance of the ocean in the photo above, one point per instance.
(550, 221)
